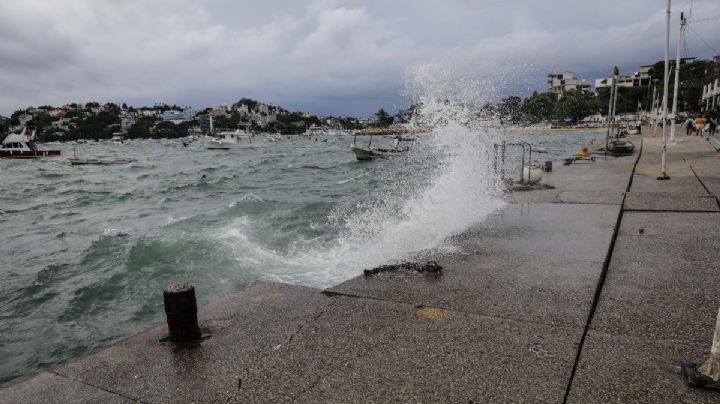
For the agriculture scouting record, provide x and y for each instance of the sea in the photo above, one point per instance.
(86, 251)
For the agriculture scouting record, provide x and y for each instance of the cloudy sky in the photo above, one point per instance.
(339, 57)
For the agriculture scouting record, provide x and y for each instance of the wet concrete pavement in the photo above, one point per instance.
(551, 301)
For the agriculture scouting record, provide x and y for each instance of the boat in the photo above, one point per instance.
(368, 152)
(227, 140)
(22, 145)
(314, 130)
(79, 161)
(620, 147)
(118, 137)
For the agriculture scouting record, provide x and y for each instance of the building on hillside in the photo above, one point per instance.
(126, 121)
(206, 123)
(220, 110)
(561, 82)
(710, 96)
(25, 118)
(242, 109)
(177, 117)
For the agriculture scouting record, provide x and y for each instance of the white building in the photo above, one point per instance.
(710, 95)
(560, 82)
(640, 78)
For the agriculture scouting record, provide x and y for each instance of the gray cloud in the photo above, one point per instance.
(326, 56)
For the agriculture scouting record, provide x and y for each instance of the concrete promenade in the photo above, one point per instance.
(594, 291)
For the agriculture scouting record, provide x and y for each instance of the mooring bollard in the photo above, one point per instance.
(181, 312)
(547, 167)
(711, 367)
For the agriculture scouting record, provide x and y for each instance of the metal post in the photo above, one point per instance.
(609, 113)
(617, 78)
(529, 163)
(495, 159)
(502, 161)
(181, 312)
(677, 79)
(665, 92)
(522, 165)
(653, 110)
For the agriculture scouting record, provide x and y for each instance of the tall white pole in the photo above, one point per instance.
(665, 91)
(653, 109)
(677, 79)
(615, 83)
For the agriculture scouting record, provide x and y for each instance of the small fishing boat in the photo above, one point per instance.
(402, 138)
(237, 139)
(118, 137)
(22, 145)
(99, 162)
(619, 147)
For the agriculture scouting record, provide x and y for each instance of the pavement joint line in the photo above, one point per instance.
(704, 186)
(600, 285)
(451, 310)
(672, 210)
(98, 388)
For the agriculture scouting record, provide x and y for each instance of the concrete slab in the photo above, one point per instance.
(670, 202)
(681, 225)
(51, 388)
(365, 350)
(614, 369)
(662, 283)
(525, 262)
(243, 329)
(503, 286)
(561, 232)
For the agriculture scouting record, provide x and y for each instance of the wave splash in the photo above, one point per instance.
(418, 213)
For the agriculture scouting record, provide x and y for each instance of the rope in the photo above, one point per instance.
(703, 41)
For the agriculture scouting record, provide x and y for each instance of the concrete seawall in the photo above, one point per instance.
(594, 291)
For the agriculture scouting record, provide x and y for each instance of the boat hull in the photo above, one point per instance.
(28, 154)
(621, 148)
(364, 153)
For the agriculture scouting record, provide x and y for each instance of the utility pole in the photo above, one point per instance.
(683, 22)
(664, 175)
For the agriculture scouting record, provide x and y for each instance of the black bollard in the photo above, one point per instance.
(547, 167)
(181, 312)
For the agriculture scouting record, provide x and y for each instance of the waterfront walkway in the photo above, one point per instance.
(594, 291)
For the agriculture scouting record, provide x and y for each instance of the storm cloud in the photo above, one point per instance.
(324, 56)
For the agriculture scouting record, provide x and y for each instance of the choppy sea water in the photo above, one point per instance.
(85, 251)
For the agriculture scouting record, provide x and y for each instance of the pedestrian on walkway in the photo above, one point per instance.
(689, 125)
(712, 126)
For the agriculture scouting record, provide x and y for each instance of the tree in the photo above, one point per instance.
(539, 107)
(510, 108)
(383, 119)
(573, 106)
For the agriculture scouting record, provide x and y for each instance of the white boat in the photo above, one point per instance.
(237, 139)
(118, 137)
(22, 145)
(314, 130)
(273, 137)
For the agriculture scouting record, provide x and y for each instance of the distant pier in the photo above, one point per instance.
(593, 291)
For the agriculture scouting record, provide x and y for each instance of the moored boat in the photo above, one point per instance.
(22, 145)
(232, 140)
(620, 147)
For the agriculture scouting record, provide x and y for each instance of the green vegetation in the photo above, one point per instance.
(383, 119)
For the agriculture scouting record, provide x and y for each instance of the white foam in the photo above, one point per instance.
(415, 218)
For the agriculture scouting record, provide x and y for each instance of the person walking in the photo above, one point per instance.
(689, 125)
(712, 126)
